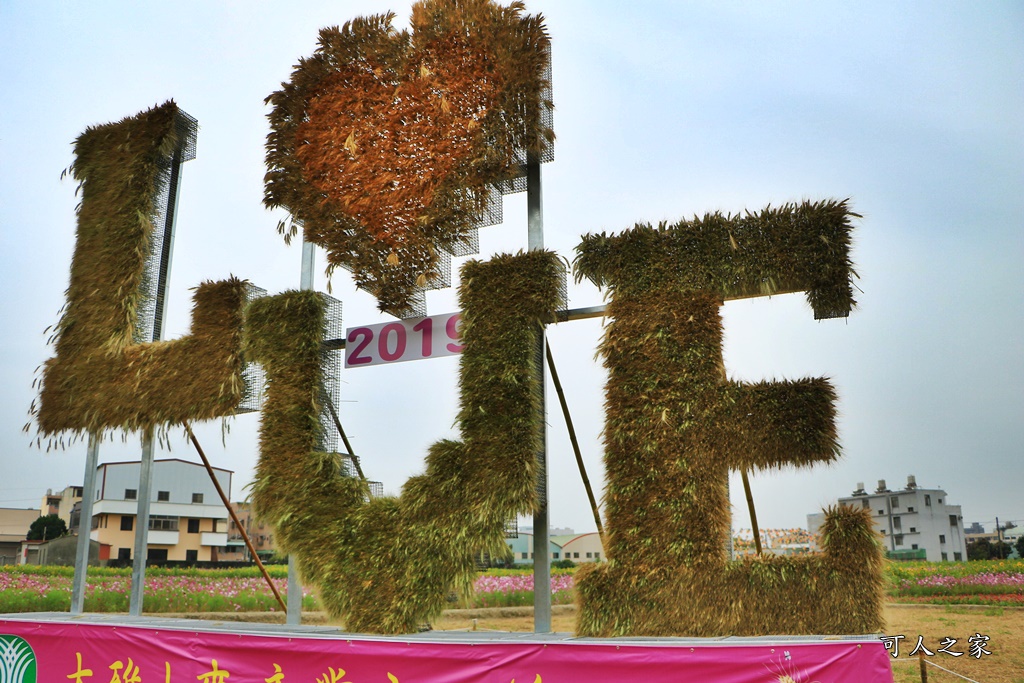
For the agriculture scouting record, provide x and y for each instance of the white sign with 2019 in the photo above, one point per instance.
(413, 339)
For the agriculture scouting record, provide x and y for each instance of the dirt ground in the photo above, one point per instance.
(1003, 626)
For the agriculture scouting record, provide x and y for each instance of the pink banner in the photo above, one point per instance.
(75, 650)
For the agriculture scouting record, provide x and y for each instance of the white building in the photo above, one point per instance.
(579, 548)
(187, 520)
(61, 504)
(917, 523)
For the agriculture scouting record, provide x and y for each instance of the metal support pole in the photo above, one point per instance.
(344, 439)
(167, 249)
(575, 444)
(159, 317)
(234, 518)
(753, 513)
(85, 526)
(144, 493)
(293, 615)
(541, 543)
(306, 276)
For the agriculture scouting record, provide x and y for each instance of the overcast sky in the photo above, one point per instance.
(915, 111)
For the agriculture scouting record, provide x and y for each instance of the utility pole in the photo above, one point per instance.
(999, 539)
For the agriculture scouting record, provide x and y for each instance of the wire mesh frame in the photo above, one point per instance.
(349, 465)
(254, 377)
(547, 118)
(330, 386)
(148, 323)
(491, 212)
(562, 314)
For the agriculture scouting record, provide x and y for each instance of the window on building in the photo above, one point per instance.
(156, 555)
(957, 557)
(131, 494)
(942, 538)
(95, 522)
(163, 523)
(910, 509)
(883, 532)
(197, 498)
(899, 539)
(576, 556)
(124, 554)
(590, 555)
(894, 502)
(193, 526)
(597, 556)
(913, 547)
(913, 529)
(945, 557)
(952, 520)
(881, 512)
(191, 555)
(554, 556)
(939, 501)
(897, 525)
(163, 496)
(927, 500)
(127, 523)
(865, 503)
(526, 556)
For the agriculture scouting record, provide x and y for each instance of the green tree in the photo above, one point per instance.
(1020, 546)
(986, 549)
(980, 549)
(1000, 550)
(47, 527)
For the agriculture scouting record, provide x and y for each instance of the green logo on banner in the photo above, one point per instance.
(17, 661)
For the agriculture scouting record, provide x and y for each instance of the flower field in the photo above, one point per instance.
(990, 582)
(48, 589)
(511, 588)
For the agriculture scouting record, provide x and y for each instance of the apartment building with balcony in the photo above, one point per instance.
(187, 520)
(916, 523)
(260, 534)
(61, 503)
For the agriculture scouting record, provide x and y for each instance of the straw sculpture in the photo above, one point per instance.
(101, 378)
(385, 145)
(388, 565)
(675, 426)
